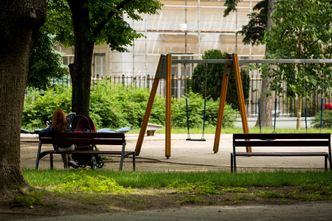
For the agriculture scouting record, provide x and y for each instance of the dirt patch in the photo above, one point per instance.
(65, 204)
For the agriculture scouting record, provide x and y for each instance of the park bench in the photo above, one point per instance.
(65, 139)
(281, 140)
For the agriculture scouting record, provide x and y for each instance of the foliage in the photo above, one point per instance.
(196, 108)
(254, 31)
(118, 106)
(29, 199)
(207, 78)
(89, 184)
(98, 21)
(39, 105)
(326, 119)
(302, 29)
(230, 6)
(59, 22)
(44, 61)
(108, 20)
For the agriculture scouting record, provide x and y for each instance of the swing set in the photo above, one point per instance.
(164, 71)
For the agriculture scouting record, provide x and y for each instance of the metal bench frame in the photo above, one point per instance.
(63, 139)
(281, 140)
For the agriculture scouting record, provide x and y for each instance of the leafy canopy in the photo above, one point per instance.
(44, 61)
(109, 20)
(207, 79)
(302, 29)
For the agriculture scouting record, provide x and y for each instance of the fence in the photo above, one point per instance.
(283, 105)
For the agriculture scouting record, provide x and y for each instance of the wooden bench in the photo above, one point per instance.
(66, 139)
(281, 140)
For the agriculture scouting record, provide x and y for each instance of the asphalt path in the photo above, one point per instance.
(305, 212)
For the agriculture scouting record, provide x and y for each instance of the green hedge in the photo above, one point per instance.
(326, 119)
(118, 106)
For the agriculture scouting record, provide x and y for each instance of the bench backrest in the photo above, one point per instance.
(272, 139)
(83, 138)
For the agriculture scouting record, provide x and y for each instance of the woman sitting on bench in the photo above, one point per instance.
(59, 125)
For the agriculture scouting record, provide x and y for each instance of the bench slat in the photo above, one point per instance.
(288, 143)
(283, 136)
(85, 135)
(83, 141)
(281, 154)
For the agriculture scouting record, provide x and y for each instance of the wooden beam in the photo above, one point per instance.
(222, 102)
(168, 105)
(240, 96)
(149, 107)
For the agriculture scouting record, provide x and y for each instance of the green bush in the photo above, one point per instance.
(327, 119)
(207, 78)
(118, 106)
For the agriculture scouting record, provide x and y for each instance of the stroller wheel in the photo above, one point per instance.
(100, 164)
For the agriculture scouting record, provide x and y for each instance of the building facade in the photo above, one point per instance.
(183, 27)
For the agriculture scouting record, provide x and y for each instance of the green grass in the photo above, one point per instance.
(314, 182)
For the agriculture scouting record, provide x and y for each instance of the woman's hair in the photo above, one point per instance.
(59, 120)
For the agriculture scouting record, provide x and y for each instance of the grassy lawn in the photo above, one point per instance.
(189, 187)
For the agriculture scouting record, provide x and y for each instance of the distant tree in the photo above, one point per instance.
(254, 33)
(207, 78)
(84, 23)
(302, 29)
(19, 20)
(44, 61)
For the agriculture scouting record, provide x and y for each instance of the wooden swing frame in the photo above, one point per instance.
(164, 71)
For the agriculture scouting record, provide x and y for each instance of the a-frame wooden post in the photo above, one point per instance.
(222, 102)
(241, 101)
(163, 72)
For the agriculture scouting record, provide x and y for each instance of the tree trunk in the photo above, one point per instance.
(18, 19)
(298, 111)
(80, 71)
(266, 102)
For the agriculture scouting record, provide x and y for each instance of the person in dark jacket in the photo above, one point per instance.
(59, 125)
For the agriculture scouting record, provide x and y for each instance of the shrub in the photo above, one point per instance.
(327, 119)
(118, 106)
(207, 78)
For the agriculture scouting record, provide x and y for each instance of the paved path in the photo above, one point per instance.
(186, 156)
(198, 156)
(303, 212)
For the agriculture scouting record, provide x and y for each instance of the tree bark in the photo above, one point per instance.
(80, 71)
(266, 101)
(18, 20)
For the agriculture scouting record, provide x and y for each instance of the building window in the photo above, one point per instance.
(67, 60)
(99, 65)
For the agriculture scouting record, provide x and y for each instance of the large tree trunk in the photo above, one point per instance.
(80, 71)
(18, 19)
(266, 103)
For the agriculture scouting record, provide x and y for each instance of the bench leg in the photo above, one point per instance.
(51, 161)
(134, 162)
(234, 163)
(121, 163)
(38, 156)
(232, 169)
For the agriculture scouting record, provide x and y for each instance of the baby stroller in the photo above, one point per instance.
(84, 124)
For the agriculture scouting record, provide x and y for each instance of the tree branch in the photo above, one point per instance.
(97, 30)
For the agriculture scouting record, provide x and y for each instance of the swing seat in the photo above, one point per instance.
(193, 139)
